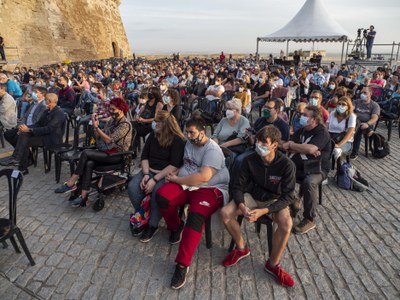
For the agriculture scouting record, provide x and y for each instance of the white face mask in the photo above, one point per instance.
(230, 113)
(93, 90)
(241, 90)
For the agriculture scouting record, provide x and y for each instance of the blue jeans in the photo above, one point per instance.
(369, 49)
(259, 103)
(239, 160)
(357, 139)
(136, 195)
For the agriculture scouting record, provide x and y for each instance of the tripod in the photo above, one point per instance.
(357, 52)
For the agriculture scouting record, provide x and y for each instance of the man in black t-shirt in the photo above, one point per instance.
(263, 90)
(310, 150)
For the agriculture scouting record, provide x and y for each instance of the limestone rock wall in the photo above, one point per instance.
(49, 31)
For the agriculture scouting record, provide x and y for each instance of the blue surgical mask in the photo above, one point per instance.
(260, 80)
(303, 121)
(34, 96)
(154, 126)
(37, 84)
(341, 109)
(313, 101)
(262, 150)
(363, 97)
(165, 99)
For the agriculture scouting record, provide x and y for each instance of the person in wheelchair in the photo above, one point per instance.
(115, 137)
(162, 154)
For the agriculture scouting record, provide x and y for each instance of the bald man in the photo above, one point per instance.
(48, 131)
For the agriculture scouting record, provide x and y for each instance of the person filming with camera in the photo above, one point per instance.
(370, 36)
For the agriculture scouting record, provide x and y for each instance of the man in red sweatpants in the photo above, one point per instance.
(202, 182)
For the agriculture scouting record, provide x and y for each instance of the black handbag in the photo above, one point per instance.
(239, 149)
(337, 137)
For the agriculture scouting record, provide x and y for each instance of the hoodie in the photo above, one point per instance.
(266, 182)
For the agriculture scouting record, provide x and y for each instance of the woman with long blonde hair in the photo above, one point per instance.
(341, 126)
(161, 155)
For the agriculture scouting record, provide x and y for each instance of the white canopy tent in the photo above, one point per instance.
(313, 23)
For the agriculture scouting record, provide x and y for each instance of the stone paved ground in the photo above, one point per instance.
(353, 253)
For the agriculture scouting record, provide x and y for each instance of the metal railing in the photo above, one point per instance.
(12, 55)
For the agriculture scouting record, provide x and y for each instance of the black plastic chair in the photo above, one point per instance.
(267, 221)
(46, 153)
(71, 154)
(8, 227)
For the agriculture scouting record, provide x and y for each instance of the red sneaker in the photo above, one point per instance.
(235, 256)
(280, 274)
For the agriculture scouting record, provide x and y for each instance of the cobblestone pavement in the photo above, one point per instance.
(354, 252)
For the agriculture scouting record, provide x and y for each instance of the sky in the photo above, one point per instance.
(232, 26)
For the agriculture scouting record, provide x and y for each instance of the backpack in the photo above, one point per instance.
(140, 218)
(379, 146)
(349, 178)
(343, 179)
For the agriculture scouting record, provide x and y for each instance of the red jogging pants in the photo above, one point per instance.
(203, 203)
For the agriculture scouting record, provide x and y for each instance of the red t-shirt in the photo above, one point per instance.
(325, 114)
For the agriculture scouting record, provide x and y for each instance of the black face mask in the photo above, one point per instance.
(196, 141)
(114, 115)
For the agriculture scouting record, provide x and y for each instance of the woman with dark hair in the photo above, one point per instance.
(172, 105)
(143, 119)
(115, 137)
(161, 155)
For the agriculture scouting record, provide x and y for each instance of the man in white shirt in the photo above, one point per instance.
(8, 108)
(214, 92)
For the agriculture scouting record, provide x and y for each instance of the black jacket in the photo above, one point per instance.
(50, 126)
(264, 183)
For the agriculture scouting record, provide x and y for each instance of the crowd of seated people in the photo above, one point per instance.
(307, 114)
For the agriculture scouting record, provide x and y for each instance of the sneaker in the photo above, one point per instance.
(179, 278)
(65, 188)
(235, 256)
(353, 156)
(280, 274)
(304, 226)
(137, 230)
(148, 234)
(176, 235)
(79, 202)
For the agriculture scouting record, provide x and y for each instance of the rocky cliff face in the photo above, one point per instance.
(49, 31)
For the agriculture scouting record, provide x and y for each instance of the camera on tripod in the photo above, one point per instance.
(363, 30)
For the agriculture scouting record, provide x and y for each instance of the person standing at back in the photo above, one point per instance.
(3, 55)
(370, 40)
